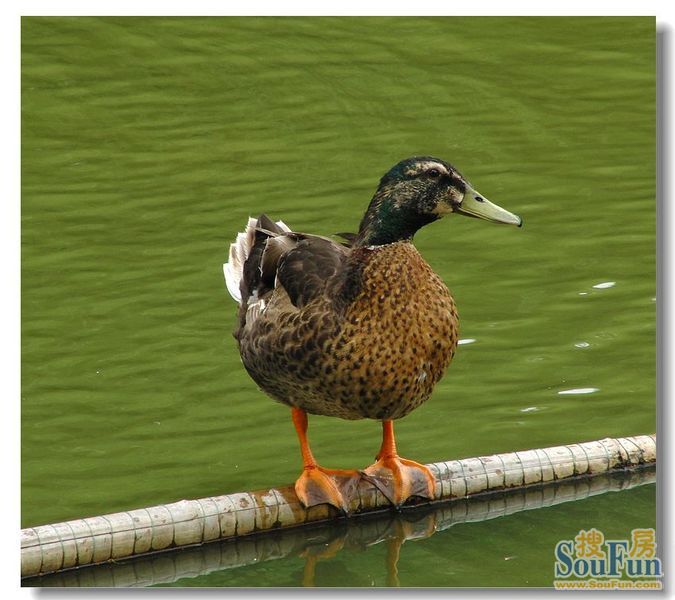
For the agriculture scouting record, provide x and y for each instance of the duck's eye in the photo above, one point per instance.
(433, 173)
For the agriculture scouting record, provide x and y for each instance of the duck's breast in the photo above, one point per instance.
(398, 336)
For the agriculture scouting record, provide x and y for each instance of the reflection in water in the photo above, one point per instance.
(324, 542)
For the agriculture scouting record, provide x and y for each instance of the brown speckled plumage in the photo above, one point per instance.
(363, 329)
(371, 344)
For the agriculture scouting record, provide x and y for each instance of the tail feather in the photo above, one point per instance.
(233, 269)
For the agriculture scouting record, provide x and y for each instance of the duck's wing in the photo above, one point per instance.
(240, 250)
(297, 266)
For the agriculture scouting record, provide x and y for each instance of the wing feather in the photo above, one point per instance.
(306, 270)
(270, 256)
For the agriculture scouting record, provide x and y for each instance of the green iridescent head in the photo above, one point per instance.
(418, 191)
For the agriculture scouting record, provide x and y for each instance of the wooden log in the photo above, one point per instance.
(325, 539)
(94, 540)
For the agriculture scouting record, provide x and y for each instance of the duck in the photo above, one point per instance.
(356, 328)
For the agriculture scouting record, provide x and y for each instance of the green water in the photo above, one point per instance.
(148, 142)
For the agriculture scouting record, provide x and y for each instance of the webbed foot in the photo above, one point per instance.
(317, 485)
(399, 479)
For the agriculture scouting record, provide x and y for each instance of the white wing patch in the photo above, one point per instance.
(233, 269)
(255, 307)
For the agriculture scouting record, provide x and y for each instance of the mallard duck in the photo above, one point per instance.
(361, 329)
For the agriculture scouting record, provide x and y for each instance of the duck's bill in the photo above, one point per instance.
(476, 205)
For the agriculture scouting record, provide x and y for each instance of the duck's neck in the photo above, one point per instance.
(390, 219)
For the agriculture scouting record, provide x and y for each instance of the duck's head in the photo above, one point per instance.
(418, 191)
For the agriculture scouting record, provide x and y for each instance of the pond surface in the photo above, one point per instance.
(147, 143)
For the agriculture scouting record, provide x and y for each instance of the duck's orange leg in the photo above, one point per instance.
(398, 478)
(317, 485)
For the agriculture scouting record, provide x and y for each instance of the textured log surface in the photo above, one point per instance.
(325, 540)
(60, 546)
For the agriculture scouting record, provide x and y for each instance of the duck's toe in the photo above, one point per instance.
(399, 479)
(317, 485)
